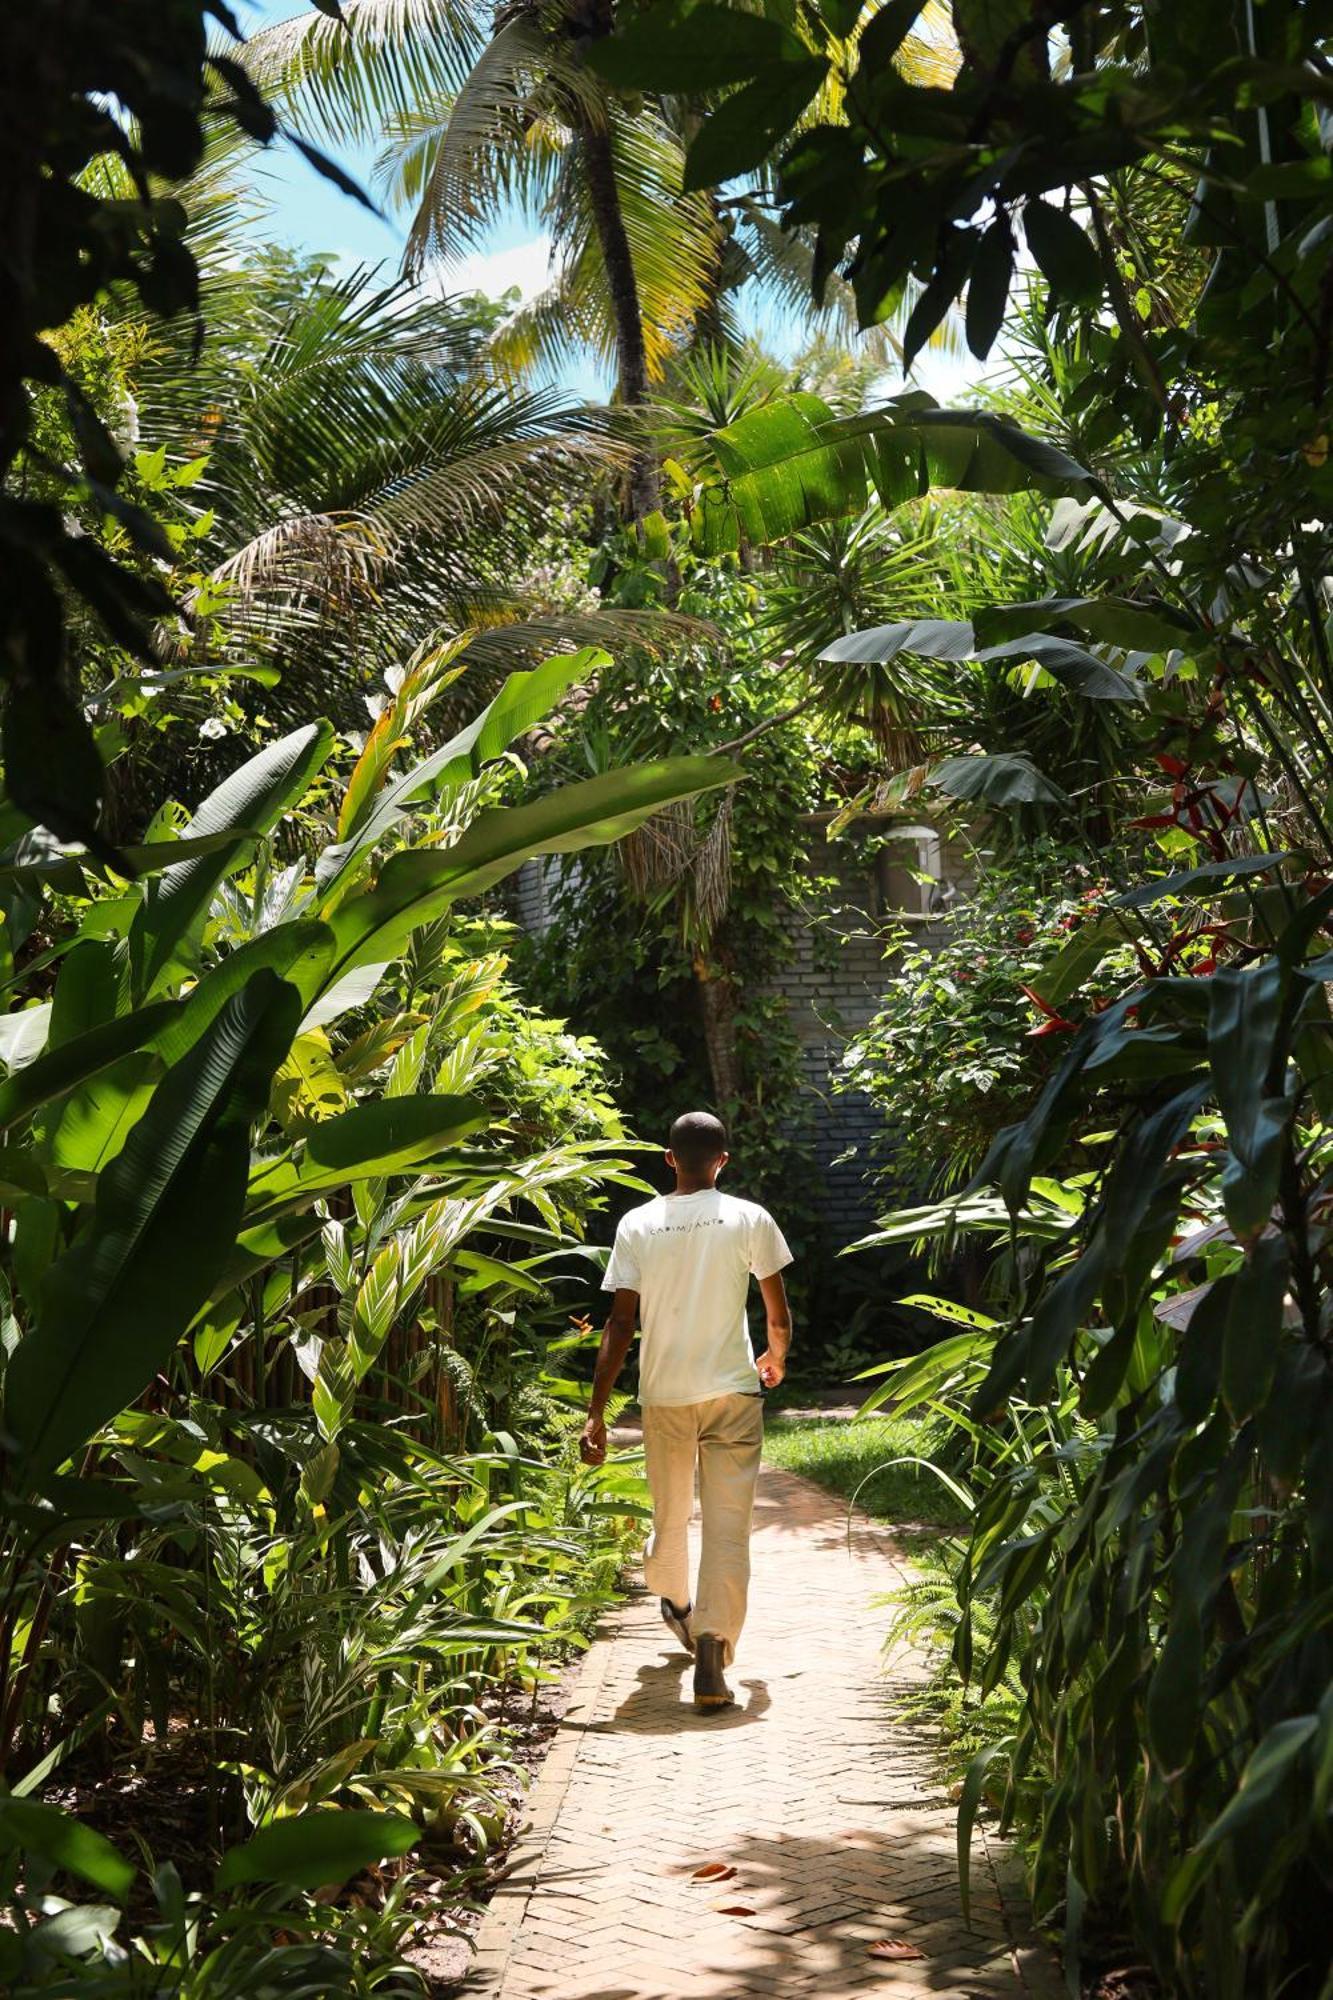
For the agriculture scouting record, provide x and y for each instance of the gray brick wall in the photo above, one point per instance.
(834, 986)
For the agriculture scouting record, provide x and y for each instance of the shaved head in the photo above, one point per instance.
(697, 1141)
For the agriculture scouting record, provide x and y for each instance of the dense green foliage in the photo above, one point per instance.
(350, 1182)
(955, 1042)
(669, 951)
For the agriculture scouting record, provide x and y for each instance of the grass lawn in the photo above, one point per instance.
(841, 1453)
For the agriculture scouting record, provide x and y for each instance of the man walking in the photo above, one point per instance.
(682, 1263)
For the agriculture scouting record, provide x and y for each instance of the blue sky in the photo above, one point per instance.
(307, 211)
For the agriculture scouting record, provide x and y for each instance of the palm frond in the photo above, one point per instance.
(482, 157)
(352, 80)
(543, 335)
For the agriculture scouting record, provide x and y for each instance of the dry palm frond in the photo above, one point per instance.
(337, 559)
(667, 853)
(712, 870)
(541, 632)
(658, 853)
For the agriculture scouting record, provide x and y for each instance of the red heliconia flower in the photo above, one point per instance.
(1173, 766)
(1055, 1022)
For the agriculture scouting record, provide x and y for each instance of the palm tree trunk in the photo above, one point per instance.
(717, 1007)
(613, 240)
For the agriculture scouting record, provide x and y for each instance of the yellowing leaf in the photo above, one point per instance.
(308, 1088)
(894, 1948)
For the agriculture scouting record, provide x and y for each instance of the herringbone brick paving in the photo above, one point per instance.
(816, 1789)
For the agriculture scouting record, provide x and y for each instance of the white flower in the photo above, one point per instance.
(212, 729)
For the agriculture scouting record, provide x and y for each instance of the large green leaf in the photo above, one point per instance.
(1247, 1030)
(525, 699)
(1073, 666)
(316, 1849)
(1068, 261)
(791, 463)
(1116, 621)
(89, 1127)
(389, 1135)
(1210, 878)
(675, 47)
(73, 1062)
(251, 800)
(928, 638)
(1254, 1326)
(298, 951)
(1009, 778)
(416, 886)
(1075, 962)
(167, 1212)
(62, 1841)
(64, 872)
(746, 128)
(1277, 1759)
(988, 286)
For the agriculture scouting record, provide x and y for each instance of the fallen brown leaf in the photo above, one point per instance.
(894, 1948)
(714, 1871)
(733, 1909)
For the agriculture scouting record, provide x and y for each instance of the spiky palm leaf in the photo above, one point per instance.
(844, 576)
(372, 489)
(375, 66)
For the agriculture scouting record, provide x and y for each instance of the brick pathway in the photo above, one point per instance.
(816, 1790)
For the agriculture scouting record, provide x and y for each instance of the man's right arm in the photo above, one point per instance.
(616, 1338)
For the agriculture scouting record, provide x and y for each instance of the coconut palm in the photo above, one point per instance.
(370, 498)
(478, 117)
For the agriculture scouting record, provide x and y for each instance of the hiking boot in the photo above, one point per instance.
(710, 1688)
(677, 1622)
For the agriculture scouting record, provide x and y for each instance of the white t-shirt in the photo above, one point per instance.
(690, 1258)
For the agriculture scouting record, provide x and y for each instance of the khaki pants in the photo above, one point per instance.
(725, 1438)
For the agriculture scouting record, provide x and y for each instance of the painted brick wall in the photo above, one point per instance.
(834, 986)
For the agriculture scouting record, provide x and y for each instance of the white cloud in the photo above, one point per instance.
(525, 266)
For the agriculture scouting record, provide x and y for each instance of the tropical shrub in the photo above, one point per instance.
(285, 1154)
(951, 1058)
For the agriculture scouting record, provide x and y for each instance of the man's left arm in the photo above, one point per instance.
(771, 1365)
